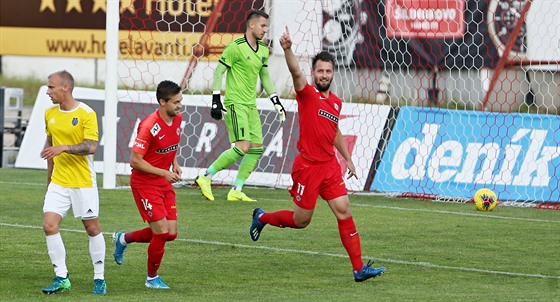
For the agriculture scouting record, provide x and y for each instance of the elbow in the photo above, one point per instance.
(134, 164)
(93, 147)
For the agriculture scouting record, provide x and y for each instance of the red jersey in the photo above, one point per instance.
(158, 142)
(318, 123)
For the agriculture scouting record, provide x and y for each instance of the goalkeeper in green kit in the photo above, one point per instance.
(245, 59)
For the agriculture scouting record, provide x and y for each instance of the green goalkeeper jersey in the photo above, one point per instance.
(244, 65)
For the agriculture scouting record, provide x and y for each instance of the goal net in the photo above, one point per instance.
(442, 97)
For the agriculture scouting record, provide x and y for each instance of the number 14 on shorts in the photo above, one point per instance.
(147, 204)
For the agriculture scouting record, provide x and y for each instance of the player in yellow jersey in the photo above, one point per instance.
(72, 137)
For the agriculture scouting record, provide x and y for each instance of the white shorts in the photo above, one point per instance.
(84, 201)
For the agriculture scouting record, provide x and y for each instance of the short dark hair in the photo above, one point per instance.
(324, 56)
(255, 13)
(167, 89)
(66, 77)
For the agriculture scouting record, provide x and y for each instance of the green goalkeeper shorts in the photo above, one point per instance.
(243, 124)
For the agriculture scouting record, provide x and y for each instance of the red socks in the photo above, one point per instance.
(346, 228)
(351, 242)
(172, 237)
(155, 253)
(282, 219)
(143, 235)
(156, 249)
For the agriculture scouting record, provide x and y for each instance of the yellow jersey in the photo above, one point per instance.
(71, 128)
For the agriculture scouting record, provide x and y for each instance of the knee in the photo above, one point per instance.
(171, 237)
(301, 224)
(93, 231)
(50, 228)
(92, 227)
(256, 150)
(243, 149)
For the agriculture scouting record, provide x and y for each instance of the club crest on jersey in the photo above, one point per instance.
(155, 129)
(328, 115)
(74, 121)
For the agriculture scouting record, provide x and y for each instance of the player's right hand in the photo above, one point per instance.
(285, 40)
(217, 112)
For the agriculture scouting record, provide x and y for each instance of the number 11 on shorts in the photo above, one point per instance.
(300, 189)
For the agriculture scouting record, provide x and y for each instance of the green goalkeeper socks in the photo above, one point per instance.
(247, 166)
(225, 159)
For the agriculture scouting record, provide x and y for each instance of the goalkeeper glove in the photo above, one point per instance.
(279, 108)
(217, 110)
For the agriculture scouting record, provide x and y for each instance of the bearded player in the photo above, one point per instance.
(316, 171)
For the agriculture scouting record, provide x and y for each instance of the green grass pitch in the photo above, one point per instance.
(432, 251)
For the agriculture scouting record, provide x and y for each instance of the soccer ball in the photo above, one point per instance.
(485, 200)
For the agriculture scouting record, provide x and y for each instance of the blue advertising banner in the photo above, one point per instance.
(454, 153)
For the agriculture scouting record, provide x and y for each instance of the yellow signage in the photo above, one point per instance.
(88, 43)
(148, 29)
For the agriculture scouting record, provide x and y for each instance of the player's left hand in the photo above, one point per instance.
(351, 170)
(171, 176)
(279, 108)
(52, 151)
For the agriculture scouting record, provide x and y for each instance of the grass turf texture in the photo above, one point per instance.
(432, 251)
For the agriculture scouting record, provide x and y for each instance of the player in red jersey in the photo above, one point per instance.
(316, 171)
(154, 169)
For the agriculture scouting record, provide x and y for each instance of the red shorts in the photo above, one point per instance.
(312, 179)
(155, 204)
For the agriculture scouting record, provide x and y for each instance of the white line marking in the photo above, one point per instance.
(455, 213)
(485, 215)
(425, 264)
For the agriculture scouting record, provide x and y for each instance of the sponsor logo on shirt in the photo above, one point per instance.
(167, 150)
(139, 145)
(328, 115)
(155, 129)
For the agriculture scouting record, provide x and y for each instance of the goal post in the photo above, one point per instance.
(110, 106)
(441, 98)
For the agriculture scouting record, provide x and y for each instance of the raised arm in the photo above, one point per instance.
(293, 66)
